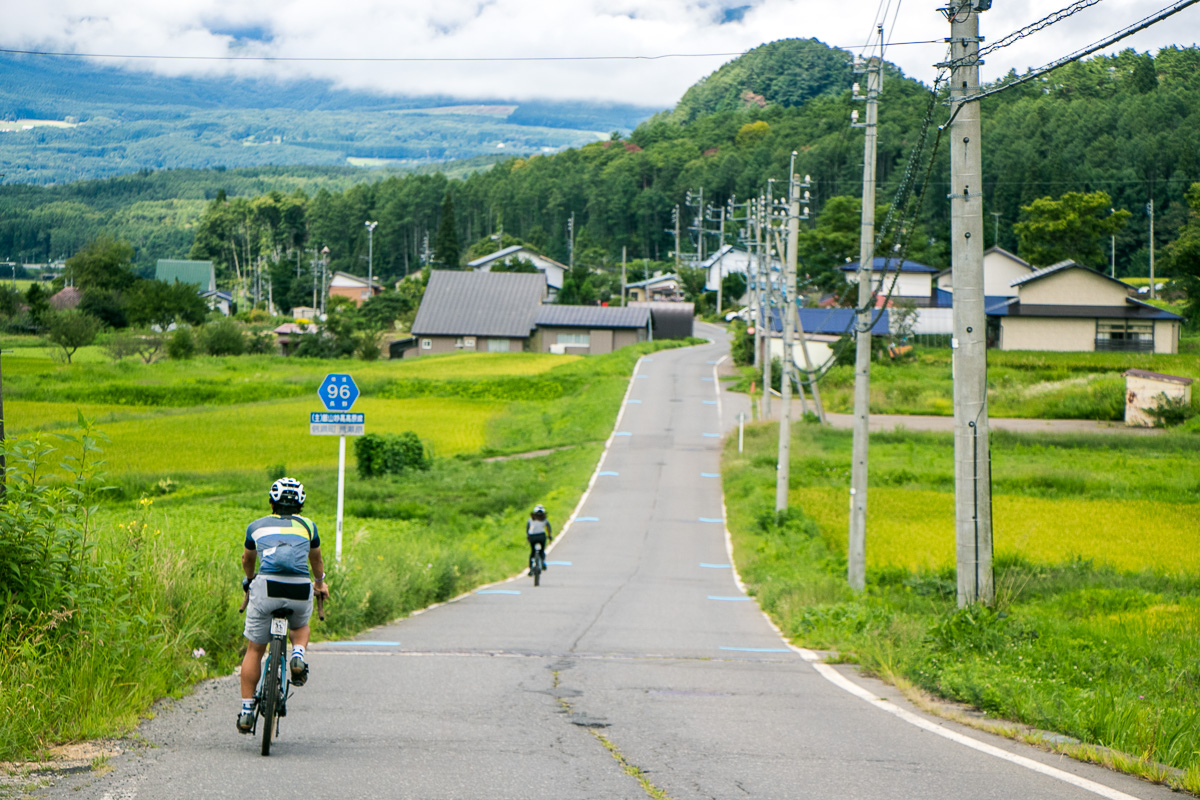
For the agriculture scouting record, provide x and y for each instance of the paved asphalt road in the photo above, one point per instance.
(638, 652)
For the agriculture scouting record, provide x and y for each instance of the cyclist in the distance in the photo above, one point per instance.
(286, 544)
(537, 531)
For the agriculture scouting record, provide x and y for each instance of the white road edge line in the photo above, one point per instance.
(717, 387)
(842, 682)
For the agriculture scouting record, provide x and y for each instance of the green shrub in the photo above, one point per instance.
(222, 338)
(390, 454)
(1170, 411)
(182, 344)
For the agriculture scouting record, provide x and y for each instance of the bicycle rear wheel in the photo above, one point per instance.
(267, 704)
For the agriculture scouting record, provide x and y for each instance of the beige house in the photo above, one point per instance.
(1001, 269)
(1069, 308)
(660, 287)
(589, 330)
(343, 284)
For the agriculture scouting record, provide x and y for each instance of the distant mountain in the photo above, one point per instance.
(64, 119)
(788, 73)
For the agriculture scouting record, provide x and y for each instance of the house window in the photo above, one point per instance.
(575, 339)
(426, 344)
(469, 342)
(497, 345)
(1124, 335)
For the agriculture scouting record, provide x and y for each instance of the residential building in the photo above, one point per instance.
(502, 312)
(548, 267)
(589, 330)
(218, 301)
(491, 312)
(343, 284)
(1069, 308)
(727, 260)
(201, 274)
(1000, 270)
(903, 280)
(65, 298)
(660, 287)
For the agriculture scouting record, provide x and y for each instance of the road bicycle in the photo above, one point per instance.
(274, 685)
(537, 561)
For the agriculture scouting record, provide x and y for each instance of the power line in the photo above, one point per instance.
(401, 59)
(1141, 25)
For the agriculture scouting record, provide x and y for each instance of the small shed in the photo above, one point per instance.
(1145, 391)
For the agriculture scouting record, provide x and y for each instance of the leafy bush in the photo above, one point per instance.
(390, 454)
(182, 344)
(222, 338)
(1170, 411)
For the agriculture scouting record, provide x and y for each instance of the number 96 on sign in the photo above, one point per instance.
(338, 391)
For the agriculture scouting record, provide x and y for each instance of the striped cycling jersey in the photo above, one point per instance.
(282, 543)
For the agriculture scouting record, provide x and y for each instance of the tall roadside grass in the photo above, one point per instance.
(119, 589)
(1094, 633)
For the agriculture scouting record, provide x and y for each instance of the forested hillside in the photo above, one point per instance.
(109, 121)
(1128, 125)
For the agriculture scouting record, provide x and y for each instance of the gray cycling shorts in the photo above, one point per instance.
(271, 592)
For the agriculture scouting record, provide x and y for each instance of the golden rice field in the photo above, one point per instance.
(248, 437)
(914, 529)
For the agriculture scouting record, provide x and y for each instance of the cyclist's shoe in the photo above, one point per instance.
(544, 567)
(299, 671)
(245, 722)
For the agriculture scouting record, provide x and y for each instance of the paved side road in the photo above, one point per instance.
(639, 665)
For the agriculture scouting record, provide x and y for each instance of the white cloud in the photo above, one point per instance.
(524, 28)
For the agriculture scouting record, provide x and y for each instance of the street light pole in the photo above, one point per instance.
(370, 257)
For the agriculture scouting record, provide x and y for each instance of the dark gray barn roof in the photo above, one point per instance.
(592, 317)
(480, 304)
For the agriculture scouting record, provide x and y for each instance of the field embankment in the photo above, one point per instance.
(122, 571)
(1095, 630)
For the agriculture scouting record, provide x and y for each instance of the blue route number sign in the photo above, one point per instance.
(338, 391)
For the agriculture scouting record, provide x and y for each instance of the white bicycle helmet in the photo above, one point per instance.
(287, 491)
(539, 509)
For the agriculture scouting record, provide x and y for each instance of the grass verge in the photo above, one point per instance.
(1091, 638)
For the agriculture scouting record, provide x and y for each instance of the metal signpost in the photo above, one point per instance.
(338, 393)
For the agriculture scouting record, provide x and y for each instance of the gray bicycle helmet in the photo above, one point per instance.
(287, 491)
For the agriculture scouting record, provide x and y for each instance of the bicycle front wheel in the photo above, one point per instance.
(268, 703)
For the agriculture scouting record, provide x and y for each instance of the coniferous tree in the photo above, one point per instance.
(445, 246)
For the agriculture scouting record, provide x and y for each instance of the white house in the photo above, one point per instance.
(660, 287)
(913, 281)
(726, 261)
(552, 269)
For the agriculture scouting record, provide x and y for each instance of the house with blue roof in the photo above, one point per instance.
(912, 281)
(1069, 308)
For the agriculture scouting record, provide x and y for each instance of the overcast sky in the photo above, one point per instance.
(522, 28)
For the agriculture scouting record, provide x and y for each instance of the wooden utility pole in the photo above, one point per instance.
(623, 281)
(1150, 211)
(856, 566)
(972, 458)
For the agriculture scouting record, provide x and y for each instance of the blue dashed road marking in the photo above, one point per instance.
(559, 563)
(622, 433)
(587, 519)
(608, 472)
(497, 591)
(729, 599)
(357, 644)
(711, 519)
(716, 566)
(711, 435)
(710, 474)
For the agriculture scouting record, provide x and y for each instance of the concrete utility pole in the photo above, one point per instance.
(808, 366)
(1150, 211)
(787, 293)
(972, 456)
(754, 273)
(370, 258)
(720, 257)
(675, 217)
(571, 241)
(623, 281)
(767, 292)
(856, 567)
